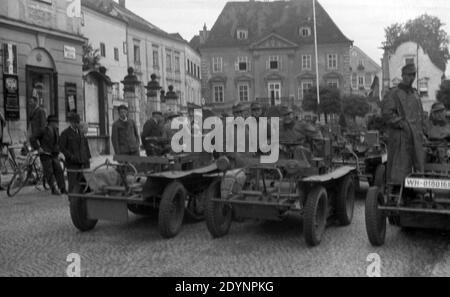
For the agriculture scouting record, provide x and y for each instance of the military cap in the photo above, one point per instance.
(409, 69)
(239, 107)
(73, 118)
(438, 106)
(52, 118)
(255, 105)
(122, 107)
(286, 110)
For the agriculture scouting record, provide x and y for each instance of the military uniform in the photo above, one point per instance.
(438, 127)
(153, 129)
(403, 114)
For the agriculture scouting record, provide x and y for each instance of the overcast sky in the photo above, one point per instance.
(363, 21)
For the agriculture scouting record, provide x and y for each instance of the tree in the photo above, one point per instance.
(443, 95)
(427, 31)
(91, 57)
(355, 106)
(330, 101)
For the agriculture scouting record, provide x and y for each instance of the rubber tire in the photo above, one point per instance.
(219, 216)
(317, 200)
(78, 212)
(9, 190)
(375, 219)
(380, 177)
(346, 195)
(170, 223)
(142, 210)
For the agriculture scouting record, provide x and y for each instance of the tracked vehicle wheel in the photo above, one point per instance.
(78, 212)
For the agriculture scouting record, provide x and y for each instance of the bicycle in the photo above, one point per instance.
(29, 172)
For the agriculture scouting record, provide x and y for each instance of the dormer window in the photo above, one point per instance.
(305, 31)
(242, 34)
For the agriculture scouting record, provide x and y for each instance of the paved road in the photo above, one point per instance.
(36, 236)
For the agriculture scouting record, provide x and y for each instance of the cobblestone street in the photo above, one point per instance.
(37, 235)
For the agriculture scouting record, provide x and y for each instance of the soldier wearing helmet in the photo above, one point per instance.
(438, 128)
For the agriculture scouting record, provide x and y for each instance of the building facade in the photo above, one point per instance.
(41, 55)
(429, 76)
(364, 72)
(265, 51)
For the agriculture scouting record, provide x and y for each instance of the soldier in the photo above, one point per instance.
(256, 110)
(438, 128)
(402, 112)
(294, 131)
(37, 118)
(153, 130)
(125, 136)
(46, 141)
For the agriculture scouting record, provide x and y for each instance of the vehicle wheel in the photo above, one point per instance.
(345, 204)
(380, 177)
(171, 210)
(78, 212)
(218, 215)
(315, 217)
(375, 219)
(142, 210)
(18, 181)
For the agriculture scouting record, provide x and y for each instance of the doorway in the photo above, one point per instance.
(41, 83)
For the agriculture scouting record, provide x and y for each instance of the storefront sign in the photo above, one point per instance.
(11, 97)
(9, 58)
(71, 97)
(70, 53)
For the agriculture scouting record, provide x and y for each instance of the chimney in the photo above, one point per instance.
(204, 34)
(122, 3)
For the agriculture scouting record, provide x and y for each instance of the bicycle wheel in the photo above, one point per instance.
(18, 181)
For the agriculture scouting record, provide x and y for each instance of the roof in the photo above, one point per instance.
(195, 42)
(354, 61)
(261, 19)
(113, 9)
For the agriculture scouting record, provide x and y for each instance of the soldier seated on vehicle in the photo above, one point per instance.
(293, 131)
(438, 127)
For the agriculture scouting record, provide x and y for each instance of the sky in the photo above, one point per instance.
(362, 21)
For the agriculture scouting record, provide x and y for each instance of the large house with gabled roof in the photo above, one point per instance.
(265, 51)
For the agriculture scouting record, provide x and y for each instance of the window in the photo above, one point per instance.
(423, 88)
(116, 54)
(361, 63)
(192, 68)
(275, 93)
(354, 81)
(332, 61)
(242, 34)
(274, 62)
(137, 54)
(305, 31)
(242, 64)
(169, 61)
(361, 82)
(188, 66)
(333, 83)
(306, 62)
(177, 64)
(368, 80)
(198, 71)
(218, 93)
(217, 64)
(115, 91)
(102, 49)
(155, 57)
(243, 92)
(304, 88)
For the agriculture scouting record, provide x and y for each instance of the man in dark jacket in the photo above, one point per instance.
(152, 132)
(37, 119)
(125, 136)
(74, 146)
(403, 114)
(46, 141)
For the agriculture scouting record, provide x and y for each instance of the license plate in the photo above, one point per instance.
(424, 183)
